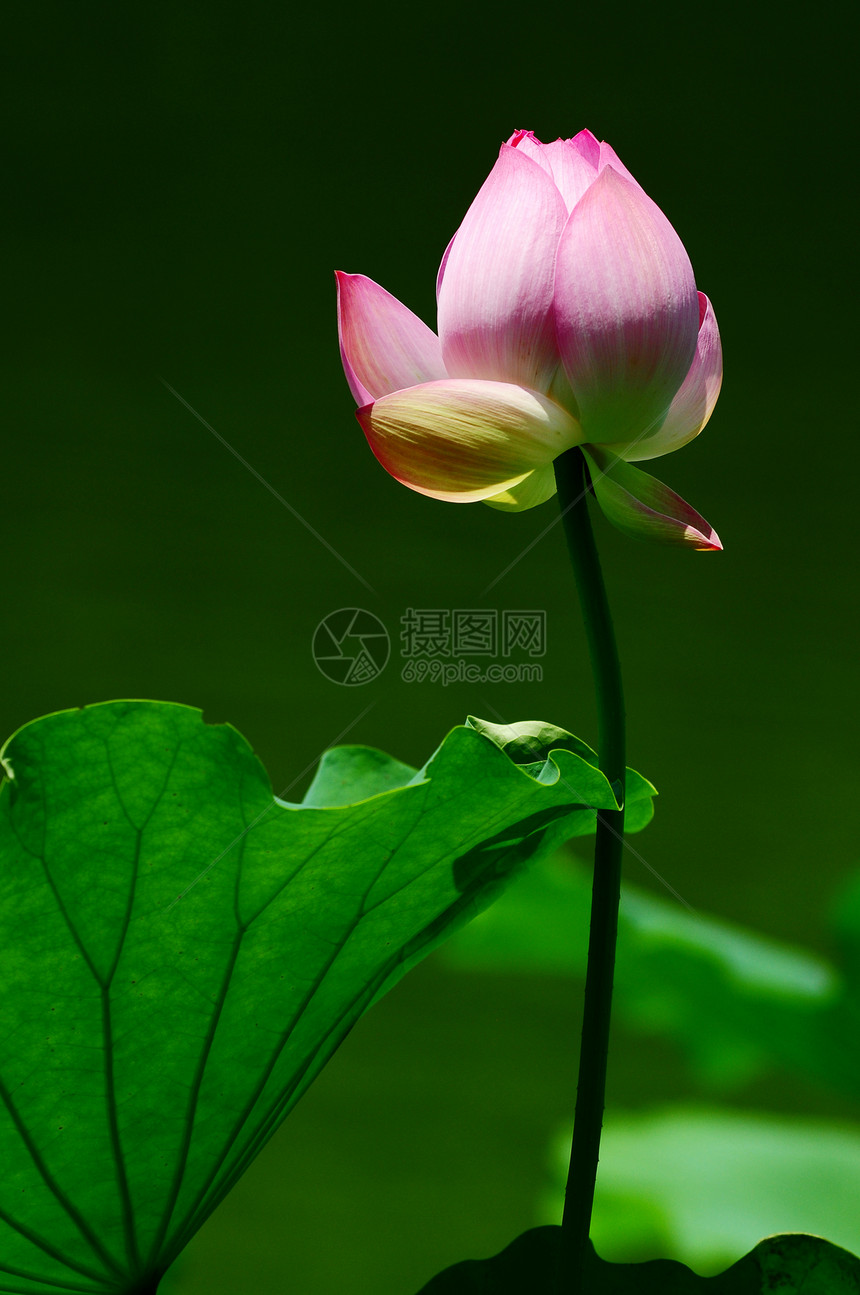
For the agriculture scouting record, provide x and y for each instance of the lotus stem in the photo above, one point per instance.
(573, 489)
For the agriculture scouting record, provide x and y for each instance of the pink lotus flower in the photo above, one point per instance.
(568, 315)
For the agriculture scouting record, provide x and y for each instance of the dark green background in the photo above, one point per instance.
(182, 182)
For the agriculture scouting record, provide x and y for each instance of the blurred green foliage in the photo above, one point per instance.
(737, 1002)
(701, 1185)
(704, 1185)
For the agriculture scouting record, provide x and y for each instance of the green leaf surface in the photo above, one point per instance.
(181, 952)
(790, 1264)
(348, 774)
(737, 1001)
(529, 744)
(702, 1184)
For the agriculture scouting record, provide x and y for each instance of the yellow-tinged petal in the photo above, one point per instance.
(464, 439)
(534, 489)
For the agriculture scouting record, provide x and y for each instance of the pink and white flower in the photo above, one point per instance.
(567, 315)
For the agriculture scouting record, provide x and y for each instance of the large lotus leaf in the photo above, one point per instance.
(791, 1264)
(181, 952)
(735, 1000)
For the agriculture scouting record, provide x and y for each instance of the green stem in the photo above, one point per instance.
(573, 487)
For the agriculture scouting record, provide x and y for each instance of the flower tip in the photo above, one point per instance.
(342, 280)
(518, 137)
(587, 145)
(710, 543)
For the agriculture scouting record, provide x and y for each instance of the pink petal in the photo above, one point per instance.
(608, 157)
(627, 313)
(534, 489)
(521, 135)
(495, 300)
(526, 142)
(694, 403)
(383, 346)
(572, 172)
(569, 165)
(587, 146)
(464, 439)
(441, 275)
(642, 507)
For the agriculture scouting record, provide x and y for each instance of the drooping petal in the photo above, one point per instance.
(572, 172)
(626, 309)
(534, 489)
(383, 346)
(694, 403)
(463, 439)
(495, 300)
(642, 507)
